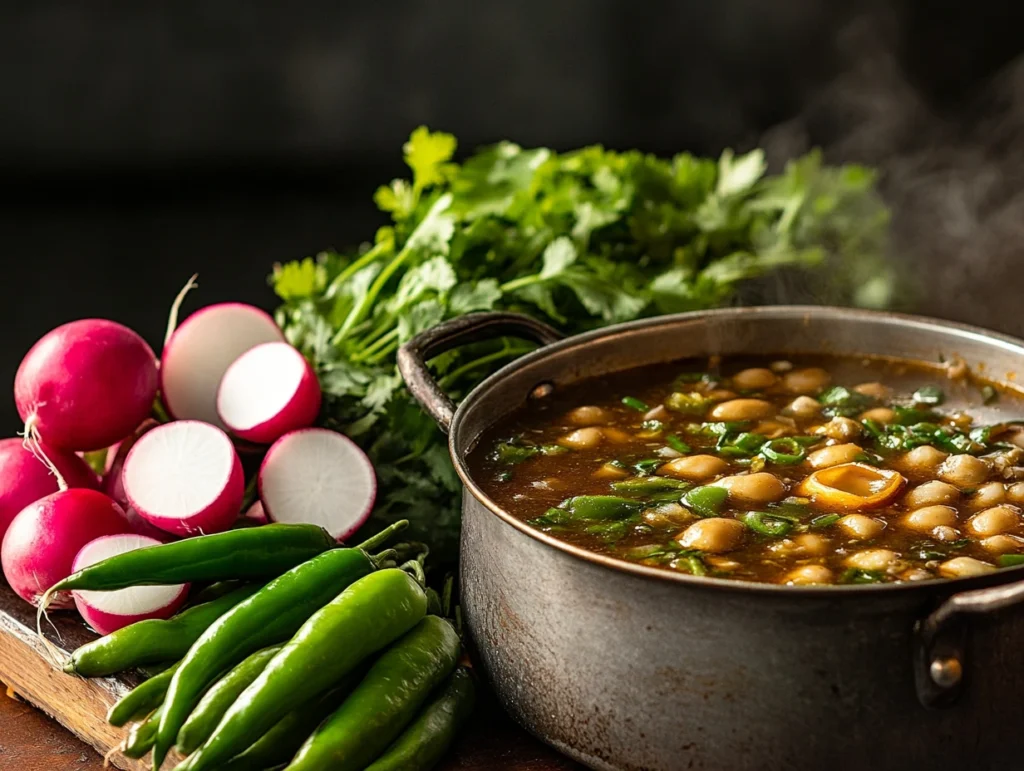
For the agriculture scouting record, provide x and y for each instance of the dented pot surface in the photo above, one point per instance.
(621, 666)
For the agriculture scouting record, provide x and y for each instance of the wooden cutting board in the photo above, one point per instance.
(490, 743)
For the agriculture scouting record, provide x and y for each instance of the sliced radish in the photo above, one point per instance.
(199, 352)
(268, 391)
(255, 514)
(318, 477)
(113, 483)
(186, 478)
(107, 612)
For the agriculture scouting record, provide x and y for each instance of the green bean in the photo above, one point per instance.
(677, 444)
(142, 699)
(647, 485)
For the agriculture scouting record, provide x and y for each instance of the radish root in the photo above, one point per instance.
(33, 443)
(172, 319)
(52, 651)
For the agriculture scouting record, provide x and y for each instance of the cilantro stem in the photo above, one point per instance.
(357, 313)
(370, 256)
(368, 353)
(519, 283)
(382, 354)
(507, 351)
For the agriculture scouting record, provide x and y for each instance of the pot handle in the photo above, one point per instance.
(941, 641)
(471, 328)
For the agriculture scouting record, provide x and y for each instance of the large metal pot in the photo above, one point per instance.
(623, 666)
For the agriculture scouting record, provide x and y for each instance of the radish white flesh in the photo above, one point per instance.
(186, 478)
(318, 477)
(199, 352)
(24, 478)
(41, 544)
(113, 483)
(268, 391)
(107, 612)
(86, 385)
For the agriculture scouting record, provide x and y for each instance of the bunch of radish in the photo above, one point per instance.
(229, 382)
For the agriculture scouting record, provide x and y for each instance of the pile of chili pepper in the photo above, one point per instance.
(303, 654)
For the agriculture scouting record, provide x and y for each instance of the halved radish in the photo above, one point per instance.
(255, 515)
(113, 483)
(318, 477)
(186, 478)
(200, 351)
(268, 391)
(107, 612)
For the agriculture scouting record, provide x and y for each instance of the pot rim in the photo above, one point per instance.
(963, 331)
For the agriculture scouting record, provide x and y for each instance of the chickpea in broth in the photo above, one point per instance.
(797, 471)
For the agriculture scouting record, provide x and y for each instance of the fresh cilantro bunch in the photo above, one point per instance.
(579, 239)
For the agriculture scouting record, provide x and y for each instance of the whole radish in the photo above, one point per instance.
(107, 612)
(85, 385)
(113, 483)
(43, 540)
(26, 479)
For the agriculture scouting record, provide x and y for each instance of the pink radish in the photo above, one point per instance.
(255, 514)
(186, 478)
(40, 546)
(86, 385)
(268, 391)
(197, 354)
(26, 478)
(318, 477)
(107, 612)
(113, 484)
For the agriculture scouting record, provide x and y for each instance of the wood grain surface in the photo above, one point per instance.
(31, 741)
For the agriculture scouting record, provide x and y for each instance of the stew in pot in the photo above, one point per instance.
(793, 471)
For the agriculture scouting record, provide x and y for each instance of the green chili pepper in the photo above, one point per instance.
(688, 404)
(1010, 560)
(385, 702)
(222, 694)
(677, 444)
(647, 485)
(648, 466)
(742, 446)
(635, 404)
(784, 451)
(262, 552)
(599, 507)
(152, 640)
(694, 564)
(841, 401)
(825, 520)
(141, 737)
(706, 501)
(429, 736)
(766, 524)
(367, 616)
(270, 616)
(506, 452)
(142, 699)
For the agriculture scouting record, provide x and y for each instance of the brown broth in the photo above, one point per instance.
(796, 532)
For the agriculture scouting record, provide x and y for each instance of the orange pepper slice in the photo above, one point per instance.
(851, 486)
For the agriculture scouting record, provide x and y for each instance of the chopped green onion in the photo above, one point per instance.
(929, 394)
(651, 484)
(599, 507)
(858, 576)
(784, 451)
(705, 501)
(806, 441)
(506, 452)
(504, 476)
(839, 401)
(635, 404)
(988, 394)
(766, 524)
(552, 449)
(647, 467)
(743, 446)
(609, 531)
(907, 416)
(825, 520)
(1010, 560)
(693, 563)
(677, 444)
(644, 552)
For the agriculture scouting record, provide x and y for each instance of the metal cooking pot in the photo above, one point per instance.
(624, 666)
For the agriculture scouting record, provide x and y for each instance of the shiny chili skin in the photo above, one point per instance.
(269, 617)
(153, 640)
(142, 699)
(429, 736)
(141, 737)
(222, 694)
(366, 617)
(385, 702)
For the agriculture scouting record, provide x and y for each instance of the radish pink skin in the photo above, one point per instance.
(42, 542)
(219, 516)
(107, 623)
(300, 412)
(24, 479)
(360, 520)
(256, 514)
(87, 384)
(183, 325)
(113, 484)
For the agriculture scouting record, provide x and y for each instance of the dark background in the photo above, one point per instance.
(142, 142)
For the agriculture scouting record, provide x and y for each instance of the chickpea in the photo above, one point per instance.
(610, 471)
(616, 435)
(810, 380)
(834, 455)
(722, 563)
(695, 468)
(988, 495)
(994, 521)
(1002, 544)
(873, 559)
(860, 526)
(809, 574)
(811, 544)
(781, 366)
(720, 395)
(804, 407)
(923, 460)
(753, 488)
(931, 494)
(583, 439)
(841, 429)
(962, 567)
(927, 518)
(714, 535)
(882, 415)
(754, 379)
(875, 390)
(589, 415)
(945, 533)
(742, 409)
(773, 429)
(1015, 493)
(666, 515)
(916, 574)
(963, 470)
